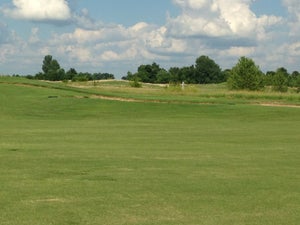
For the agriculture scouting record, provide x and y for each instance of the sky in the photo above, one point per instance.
(116, 36)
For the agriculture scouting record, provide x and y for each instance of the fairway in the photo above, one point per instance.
(67, 158)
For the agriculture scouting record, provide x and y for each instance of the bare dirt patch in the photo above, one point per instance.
(279, 105)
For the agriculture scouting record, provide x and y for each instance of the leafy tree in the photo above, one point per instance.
(293, 79)
(207, 71)
(298, 84)
(163, 77)
(187, 74)
(40, 76)
(269, 78)
(174, 74)
(51, 69)
(146, 73)
(225, 74)
(246, 75)
(54, 72)
(70, 74)
(129, 76)
(280, 80)
(47, 63)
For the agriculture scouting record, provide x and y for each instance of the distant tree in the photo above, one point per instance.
(187, 74)
(280, 80)
(40, 76)
(54, 72)
(174, 74)
(246, 75)
(82, 77)
(103, 76)
(70, 74)
(134, 82)
(47, 64)
(148, 73)
(163, 77)
(207, 71)
(225, 74)
(129, 76)
(298, 84)
(268, 79)
(293, 79)
(51, 69)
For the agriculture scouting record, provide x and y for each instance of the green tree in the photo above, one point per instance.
(51, 69)
(148, 73)
(280, 80)
(298, 84)
(269, 78)
(207, 71)
(47, 64)
(54, 72)
(246, 75)
(187, 74)
(163, 77)
(294, 79)
(174, 74)
(70, 74)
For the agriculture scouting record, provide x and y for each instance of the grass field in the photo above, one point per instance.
(68, 157)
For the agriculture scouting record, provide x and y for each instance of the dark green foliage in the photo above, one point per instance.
(246, 75)
(268, 79)
(298, 84)
(102, 76)
(70, 74)
(52, 71)
(187, 74)
(207, 71)
(148, 73)
(129, 76)
(280, 80)
(135, 82)
(47, 63)
(293, 79)
(82, 77)
(163, 77)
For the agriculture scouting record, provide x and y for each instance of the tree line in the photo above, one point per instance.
(244, 75)
(53, 72)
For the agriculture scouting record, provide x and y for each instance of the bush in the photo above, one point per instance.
(135, 83)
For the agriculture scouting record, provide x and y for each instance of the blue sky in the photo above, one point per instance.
(117, 36)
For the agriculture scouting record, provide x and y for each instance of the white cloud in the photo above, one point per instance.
(218, 18)
(238, 51)
(215, 28)
(293, 8)
(39, 10)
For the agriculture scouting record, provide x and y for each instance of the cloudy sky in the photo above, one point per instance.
(117, 36)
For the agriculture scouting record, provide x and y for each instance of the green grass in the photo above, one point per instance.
(72, 160)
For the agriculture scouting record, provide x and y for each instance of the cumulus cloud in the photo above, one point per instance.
(215, 28)
(218, 18)
(39, 10)
(293, 8)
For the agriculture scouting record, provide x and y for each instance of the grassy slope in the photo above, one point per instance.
(70, 160)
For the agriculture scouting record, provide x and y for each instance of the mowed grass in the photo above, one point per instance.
(68, 159)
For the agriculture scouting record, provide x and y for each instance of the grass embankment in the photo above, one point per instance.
(71, 160)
